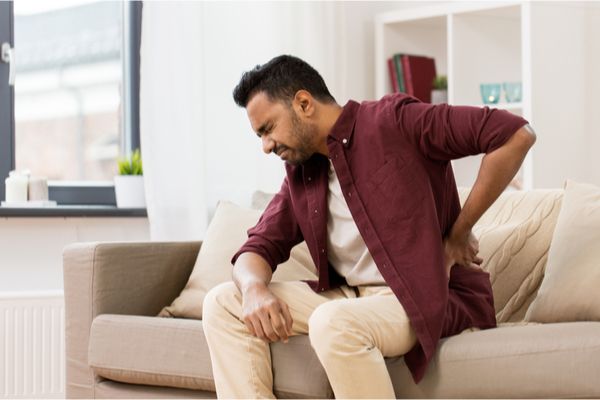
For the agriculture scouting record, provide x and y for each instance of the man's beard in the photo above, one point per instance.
(304, 135)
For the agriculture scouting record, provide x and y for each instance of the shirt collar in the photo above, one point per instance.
(344, 125)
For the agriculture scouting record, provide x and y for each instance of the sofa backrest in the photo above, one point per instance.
(514, 237)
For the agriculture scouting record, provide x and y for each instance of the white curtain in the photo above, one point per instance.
(197, 145)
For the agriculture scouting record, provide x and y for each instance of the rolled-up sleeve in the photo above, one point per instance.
(444, 132)
(276, 232)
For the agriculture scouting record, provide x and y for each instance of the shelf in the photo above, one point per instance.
(427, 36)
(516, 41)
(472, 43)
(72, 211)
(485, 48)
(505, 106)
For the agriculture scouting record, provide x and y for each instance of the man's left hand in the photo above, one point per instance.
(461, 248)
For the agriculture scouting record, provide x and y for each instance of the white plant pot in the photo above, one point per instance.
(129, 191)
(439, 96)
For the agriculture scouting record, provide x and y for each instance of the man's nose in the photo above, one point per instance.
(267, 144)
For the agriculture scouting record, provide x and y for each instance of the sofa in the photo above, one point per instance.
(117, 346)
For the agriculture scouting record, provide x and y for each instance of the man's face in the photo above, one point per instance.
(281, 130)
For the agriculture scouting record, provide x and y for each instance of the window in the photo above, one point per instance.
(74, 107)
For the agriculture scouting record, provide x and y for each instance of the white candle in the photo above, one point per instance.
(16, 188)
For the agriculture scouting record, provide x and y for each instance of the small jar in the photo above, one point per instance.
(16, 187)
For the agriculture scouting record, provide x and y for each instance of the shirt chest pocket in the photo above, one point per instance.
(393, 191)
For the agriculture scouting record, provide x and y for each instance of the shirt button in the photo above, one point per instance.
(349, 194)
(309, 179)
(322, 289)
(384, 265)
(316, 211)
(323, 251)
(345, 141)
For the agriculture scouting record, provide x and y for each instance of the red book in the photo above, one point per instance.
(393, 78)
(419, 73)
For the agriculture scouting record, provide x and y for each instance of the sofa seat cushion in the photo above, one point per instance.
(173, 352)
(525, 360)
(150, 351)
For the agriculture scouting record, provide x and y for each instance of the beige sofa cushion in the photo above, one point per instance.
(522, 361)
(569, 291)
(505, 362)
(150, 351)
(174, 353)
(514, 237)
(225, 235)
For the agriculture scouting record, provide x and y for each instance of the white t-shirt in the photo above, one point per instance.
(347, 251)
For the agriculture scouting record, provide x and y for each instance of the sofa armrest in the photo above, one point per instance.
(116, 278)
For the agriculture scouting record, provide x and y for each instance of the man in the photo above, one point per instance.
(370, 189)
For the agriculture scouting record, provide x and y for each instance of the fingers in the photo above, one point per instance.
(281, 321)
(475, 266)
(462, 251)
(287, 316)
(250, 326)
(258, 325)
(255, 327)
(267, 325)
(278, 325)
(270, 322)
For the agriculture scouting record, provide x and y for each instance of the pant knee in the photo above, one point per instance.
(216, 300)
(327, 326)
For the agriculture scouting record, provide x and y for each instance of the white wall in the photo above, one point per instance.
(592, 90)
(31, 248)
(193, 55)
(565, 90)
(235, 165)
(237, 37)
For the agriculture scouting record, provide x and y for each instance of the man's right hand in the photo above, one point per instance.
(265, 315)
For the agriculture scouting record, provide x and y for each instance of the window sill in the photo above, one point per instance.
(73, 211)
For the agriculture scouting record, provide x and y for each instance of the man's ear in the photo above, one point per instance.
(304, 103)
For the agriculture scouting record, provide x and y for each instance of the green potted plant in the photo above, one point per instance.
(439, 92)
(129, 184)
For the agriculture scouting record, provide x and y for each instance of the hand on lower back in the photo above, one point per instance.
(265, 315)
(461, 249)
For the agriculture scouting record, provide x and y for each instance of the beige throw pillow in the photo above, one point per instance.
(514, 237)
(569, 290)
(225, 235)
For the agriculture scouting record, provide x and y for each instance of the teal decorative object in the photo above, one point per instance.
(512, 91)
(490, 92)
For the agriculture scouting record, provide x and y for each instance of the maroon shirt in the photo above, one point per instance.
(392, 158)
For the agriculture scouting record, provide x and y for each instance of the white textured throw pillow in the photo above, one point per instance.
(569, 291)
(225, 235)
(514, 237)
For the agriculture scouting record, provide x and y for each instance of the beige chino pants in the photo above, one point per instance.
(350, 335)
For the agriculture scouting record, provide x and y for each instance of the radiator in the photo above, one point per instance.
(32, 361)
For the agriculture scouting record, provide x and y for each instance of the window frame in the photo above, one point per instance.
(76, 192)
(7, 100)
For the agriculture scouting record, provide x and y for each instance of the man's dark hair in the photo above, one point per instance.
(280, 79)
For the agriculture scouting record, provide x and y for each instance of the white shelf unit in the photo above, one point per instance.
(536, 43)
